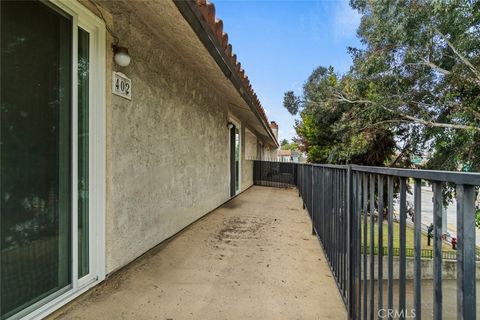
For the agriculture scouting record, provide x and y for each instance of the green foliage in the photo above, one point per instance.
(333, 131)
(414, 87)
(285, 145)
(477, 218)
(421, 66)
(290, 146)
(290, 102)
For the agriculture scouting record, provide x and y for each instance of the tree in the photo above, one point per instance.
(416, 82)
(332, 131)
(285, 145)
(289, 146)
(420, 66)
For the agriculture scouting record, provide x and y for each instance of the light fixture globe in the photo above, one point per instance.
(122, 58)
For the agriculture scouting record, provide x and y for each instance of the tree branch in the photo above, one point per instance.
(432, 65)
(342, 98)
(405, 147)
(457, 106)
(339, 97)
(459, 55)
(386, 121)
(431, 123)
(427, 123)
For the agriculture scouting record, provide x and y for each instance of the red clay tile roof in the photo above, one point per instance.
(208, 12)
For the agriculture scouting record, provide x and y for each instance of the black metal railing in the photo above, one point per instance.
(275, 174)
(344, 203)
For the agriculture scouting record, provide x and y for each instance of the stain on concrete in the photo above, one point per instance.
(242, 228)
(251, 262)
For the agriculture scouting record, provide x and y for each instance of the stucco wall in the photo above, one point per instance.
(167, 149)
(250, 145)
(270, 153)
(249, 152)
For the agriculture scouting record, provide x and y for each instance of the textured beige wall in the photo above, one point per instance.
(167, 149)
(270, 153)
(250, 145)
(249, 152)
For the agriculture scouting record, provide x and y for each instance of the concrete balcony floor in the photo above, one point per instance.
(253, 258)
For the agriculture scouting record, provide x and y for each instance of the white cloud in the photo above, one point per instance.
(345, 21)
(342, 21)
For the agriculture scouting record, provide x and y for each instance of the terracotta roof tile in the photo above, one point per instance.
(219, 29)
(228, 49)
(207, 10)
(224, 41)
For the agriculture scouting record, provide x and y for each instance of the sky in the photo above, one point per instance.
(279, 44)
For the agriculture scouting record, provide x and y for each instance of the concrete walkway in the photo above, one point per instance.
(253, 258)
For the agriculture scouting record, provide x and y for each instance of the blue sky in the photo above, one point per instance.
(279, 44)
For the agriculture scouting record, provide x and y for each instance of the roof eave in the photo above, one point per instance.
(192, 14)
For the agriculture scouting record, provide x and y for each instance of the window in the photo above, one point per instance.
(51, 58)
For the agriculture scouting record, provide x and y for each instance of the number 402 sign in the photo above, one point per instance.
(121, 85)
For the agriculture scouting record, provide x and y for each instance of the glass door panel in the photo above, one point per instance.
(83, 154)
(237, 159)
(35, 148)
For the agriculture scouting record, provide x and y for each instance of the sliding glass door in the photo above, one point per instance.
(35, 153)
(45, 154)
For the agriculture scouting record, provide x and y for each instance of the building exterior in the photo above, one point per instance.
(86, 186)
(290, 156)
(284, 155)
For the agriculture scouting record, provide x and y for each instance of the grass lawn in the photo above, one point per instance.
(396, 237)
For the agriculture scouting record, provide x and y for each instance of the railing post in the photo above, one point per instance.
(418, 247)
(466, 292)
(312, 195)
(437, 248)
(390, 244)
(351, 270)
(372, 247)
(323, 206)
(380, 244)
(403, 252)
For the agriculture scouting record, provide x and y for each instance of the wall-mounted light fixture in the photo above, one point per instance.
(230, 125)
(121, 57)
